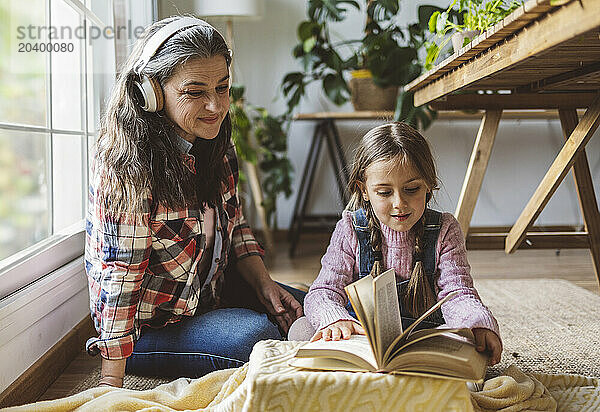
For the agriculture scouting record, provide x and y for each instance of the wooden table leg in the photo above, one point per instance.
(477, 167)
(308, 176)
(345, 172)
(257, 196)
(336, 157)
(560, 167)
(585, 190)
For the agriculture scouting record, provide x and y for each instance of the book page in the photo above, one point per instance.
(462, 334)
(405, 336)
(326, 364)
(429, 312)
(360, 294)
(442, 355)
(388, 323)
(399, 341)
(356, 350)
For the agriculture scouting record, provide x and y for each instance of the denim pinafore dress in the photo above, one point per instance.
(366, 260)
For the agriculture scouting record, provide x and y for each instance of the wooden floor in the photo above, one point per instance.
(574, 265)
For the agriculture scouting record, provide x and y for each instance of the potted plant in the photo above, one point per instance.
(252, 122)
(461, 25)
(384, 59)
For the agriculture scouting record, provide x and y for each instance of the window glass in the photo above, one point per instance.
(66, 66)
(24, 198)
(23, 80)
(91, 149)
(93, 121)
(49, 117)
(68, 156)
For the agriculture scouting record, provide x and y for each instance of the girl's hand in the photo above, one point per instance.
(280, 303)
(486, 340)
(341, 329)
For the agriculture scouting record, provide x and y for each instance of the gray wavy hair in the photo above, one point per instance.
(135, 152)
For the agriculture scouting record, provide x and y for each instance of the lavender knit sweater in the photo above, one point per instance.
(325, 301)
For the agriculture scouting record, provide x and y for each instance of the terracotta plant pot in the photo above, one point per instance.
(366, 95)
(458, 38)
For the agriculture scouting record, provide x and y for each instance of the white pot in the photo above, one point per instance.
(459, 37)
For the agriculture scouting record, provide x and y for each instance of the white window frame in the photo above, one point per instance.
(39, 260)
(36, 261)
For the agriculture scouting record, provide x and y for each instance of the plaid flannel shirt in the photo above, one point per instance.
(142, 268)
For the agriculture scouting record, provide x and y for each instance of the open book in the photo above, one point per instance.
(440, 352)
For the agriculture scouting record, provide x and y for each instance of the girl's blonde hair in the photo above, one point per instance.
(383, 143)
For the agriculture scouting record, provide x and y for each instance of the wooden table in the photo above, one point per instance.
(326, 130)
(542, 56)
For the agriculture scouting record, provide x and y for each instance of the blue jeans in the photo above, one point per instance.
(219, 339)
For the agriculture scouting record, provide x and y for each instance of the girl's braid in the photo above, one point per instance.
(419, 297)
(376, 241)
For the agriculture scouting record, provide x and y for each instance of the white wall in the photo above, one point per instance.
(523, 151)
(35, 318)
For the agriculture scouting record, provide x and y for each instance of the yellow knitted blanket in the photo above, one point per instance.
(517, 391)
(267, 383)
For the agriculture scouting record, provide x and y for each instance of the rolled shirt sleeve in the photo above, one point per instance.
(117, 255)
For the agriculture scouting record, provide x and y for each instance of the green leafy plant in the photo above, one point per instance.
(388, 51)
(250, 121)
(470, 15)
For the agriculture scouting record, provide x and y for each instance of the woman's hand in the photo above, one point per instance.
(486, 340)
(279, 302)
(341, 329)
(112, 373)
(113, 381)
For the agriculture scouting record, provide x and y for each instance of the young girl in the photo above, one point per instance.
(387, 225)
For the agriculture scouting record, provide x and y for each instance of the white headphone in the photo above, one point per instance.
(151, 94)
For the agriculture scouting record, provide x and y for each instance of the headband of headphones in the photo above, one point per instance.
(161, 36)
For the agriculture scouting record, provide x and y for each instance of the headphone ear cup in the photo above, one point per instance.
(158, 93)
(150, 93)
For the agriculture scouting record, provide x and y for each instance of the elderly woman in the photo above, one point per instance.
(176, 280)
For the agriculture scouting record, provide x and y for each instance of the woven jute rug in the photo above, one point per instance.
(129, 382)
(547, 326)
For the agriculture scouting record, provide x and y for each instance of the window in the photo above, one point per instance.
(48, 114)
(57, 67)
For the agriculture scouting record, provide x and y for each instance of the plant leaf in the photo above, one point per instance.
(336, 88)
(441, 21)
(236, 91)
(433, 21)
(307, 29)
(425, 13)
(309, 44)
